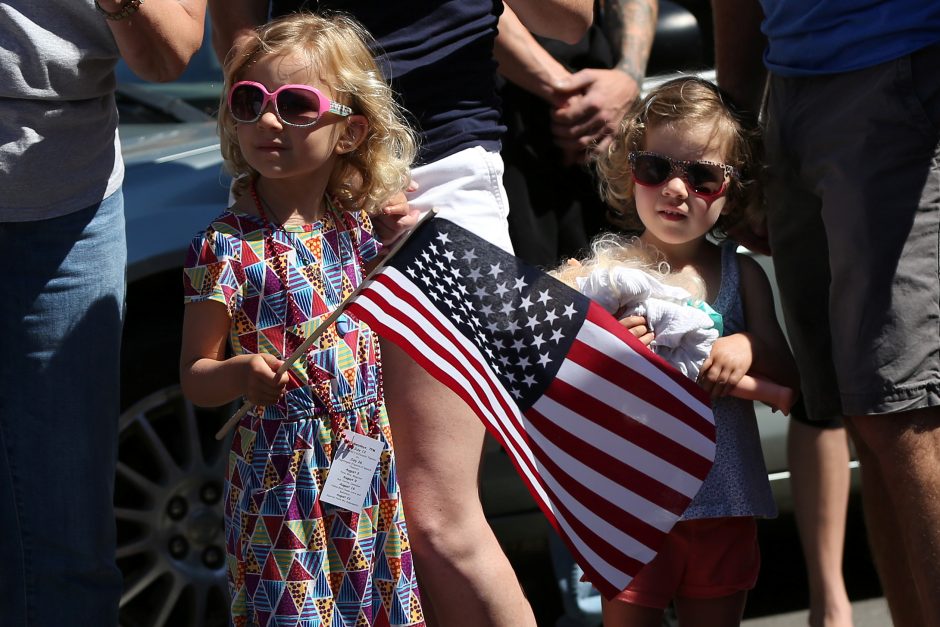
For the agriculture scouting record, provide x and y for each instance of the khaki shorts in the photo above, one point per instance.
(853, 201)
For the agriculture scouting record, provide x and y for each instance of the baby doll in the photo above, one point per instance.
(630, 278)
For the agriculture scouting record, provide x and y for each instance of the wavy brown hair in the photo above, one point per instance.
(338, 47)
(683, 102)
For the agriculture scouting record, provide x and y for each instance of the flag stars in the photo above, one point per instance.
(443, 238)
(544, 297)
(495, 270)
(449, 256)
(569, 311)
(474, 274)
(544, 360)
(531, 323)
(519, 283)
(529, 380)
(557, 336)
(526, 303)
(501, 289)
(469, 255)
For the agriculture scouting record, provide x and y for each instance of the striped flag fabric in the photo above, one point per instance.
(612, 442)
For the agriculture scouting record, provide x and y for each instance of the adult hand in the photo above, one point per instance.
(396, 217)
(596, 103)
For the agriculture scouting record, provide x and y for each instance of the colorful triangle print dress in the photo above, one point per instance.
(293, 560)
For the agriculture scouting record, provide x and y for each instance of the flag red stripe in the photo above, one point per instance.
(639, 386)
(603, 463)
(599, 316)
(614, 555)
(656, 443)
(625, 520)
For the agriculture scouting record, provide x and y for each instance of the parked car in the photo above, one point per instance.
(170, 467)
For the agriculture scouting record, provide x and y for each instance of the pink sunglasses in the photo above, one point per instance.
(294, 105)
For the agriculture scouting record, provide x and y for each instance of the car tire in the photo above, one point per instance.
(168, 492)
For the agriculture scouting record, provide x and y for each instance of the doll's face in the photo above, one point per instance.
(672, 213)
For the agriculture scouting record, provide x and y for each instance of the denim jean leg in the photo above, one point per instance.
(61, 318)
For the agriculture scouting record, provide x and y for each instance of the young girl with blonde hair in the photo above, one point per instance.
(316, 144)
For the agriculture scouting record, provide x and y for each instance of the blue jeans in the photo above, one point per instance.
(61, 314)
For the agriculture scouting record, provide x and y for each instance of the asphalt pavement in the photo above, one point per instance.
(867, 613)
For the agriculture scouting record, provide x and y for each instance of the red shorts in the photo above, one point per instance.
(700, 559)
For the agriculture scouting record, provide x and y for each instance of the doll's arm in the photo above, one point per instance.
(757, 388)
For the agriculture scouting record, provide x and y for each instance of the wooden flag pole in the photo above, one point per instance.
(305, 346)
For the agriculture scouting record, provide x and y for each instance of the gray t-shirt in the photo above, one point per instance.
(59, 147)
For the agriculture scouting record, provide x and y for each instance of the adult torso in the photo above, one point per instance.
(58, 141)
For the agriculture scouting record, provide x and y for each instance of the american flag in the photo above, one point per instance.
(611, 441)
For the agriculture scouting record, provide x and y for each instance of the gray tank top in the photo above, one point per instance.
(59, 148)
(737, 484)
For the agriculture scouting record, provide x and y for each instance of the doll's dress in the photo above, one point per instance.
(292, 559)
(684, 334)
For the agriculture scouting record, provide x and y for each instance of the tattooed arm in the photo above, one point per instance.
(597, 99)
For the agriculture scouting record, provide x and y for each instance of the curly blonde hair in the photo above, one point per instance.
(610, 250)
(337, 47)
(683, 102)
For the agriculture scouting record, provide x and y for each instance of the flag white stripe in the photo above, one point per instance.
(611, 573)
(615, 493)
(617, 446)
(620, 398)
(592, 334)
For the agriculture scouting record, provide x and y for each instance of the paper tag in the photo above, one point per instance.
(351, 471)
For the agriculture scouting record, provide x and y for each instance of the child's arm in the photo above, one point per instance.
(207, 377)
(762, 350)
(757, 388)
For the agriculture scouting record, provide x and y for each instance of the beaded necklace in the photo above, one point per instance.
(318, 378)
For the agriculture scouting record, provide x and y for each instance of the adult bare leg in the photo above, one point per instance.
(438, 445)
(900, 460)
(819, 477)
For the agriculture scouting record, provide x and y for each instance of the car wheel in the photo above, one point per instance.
(168, 509)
